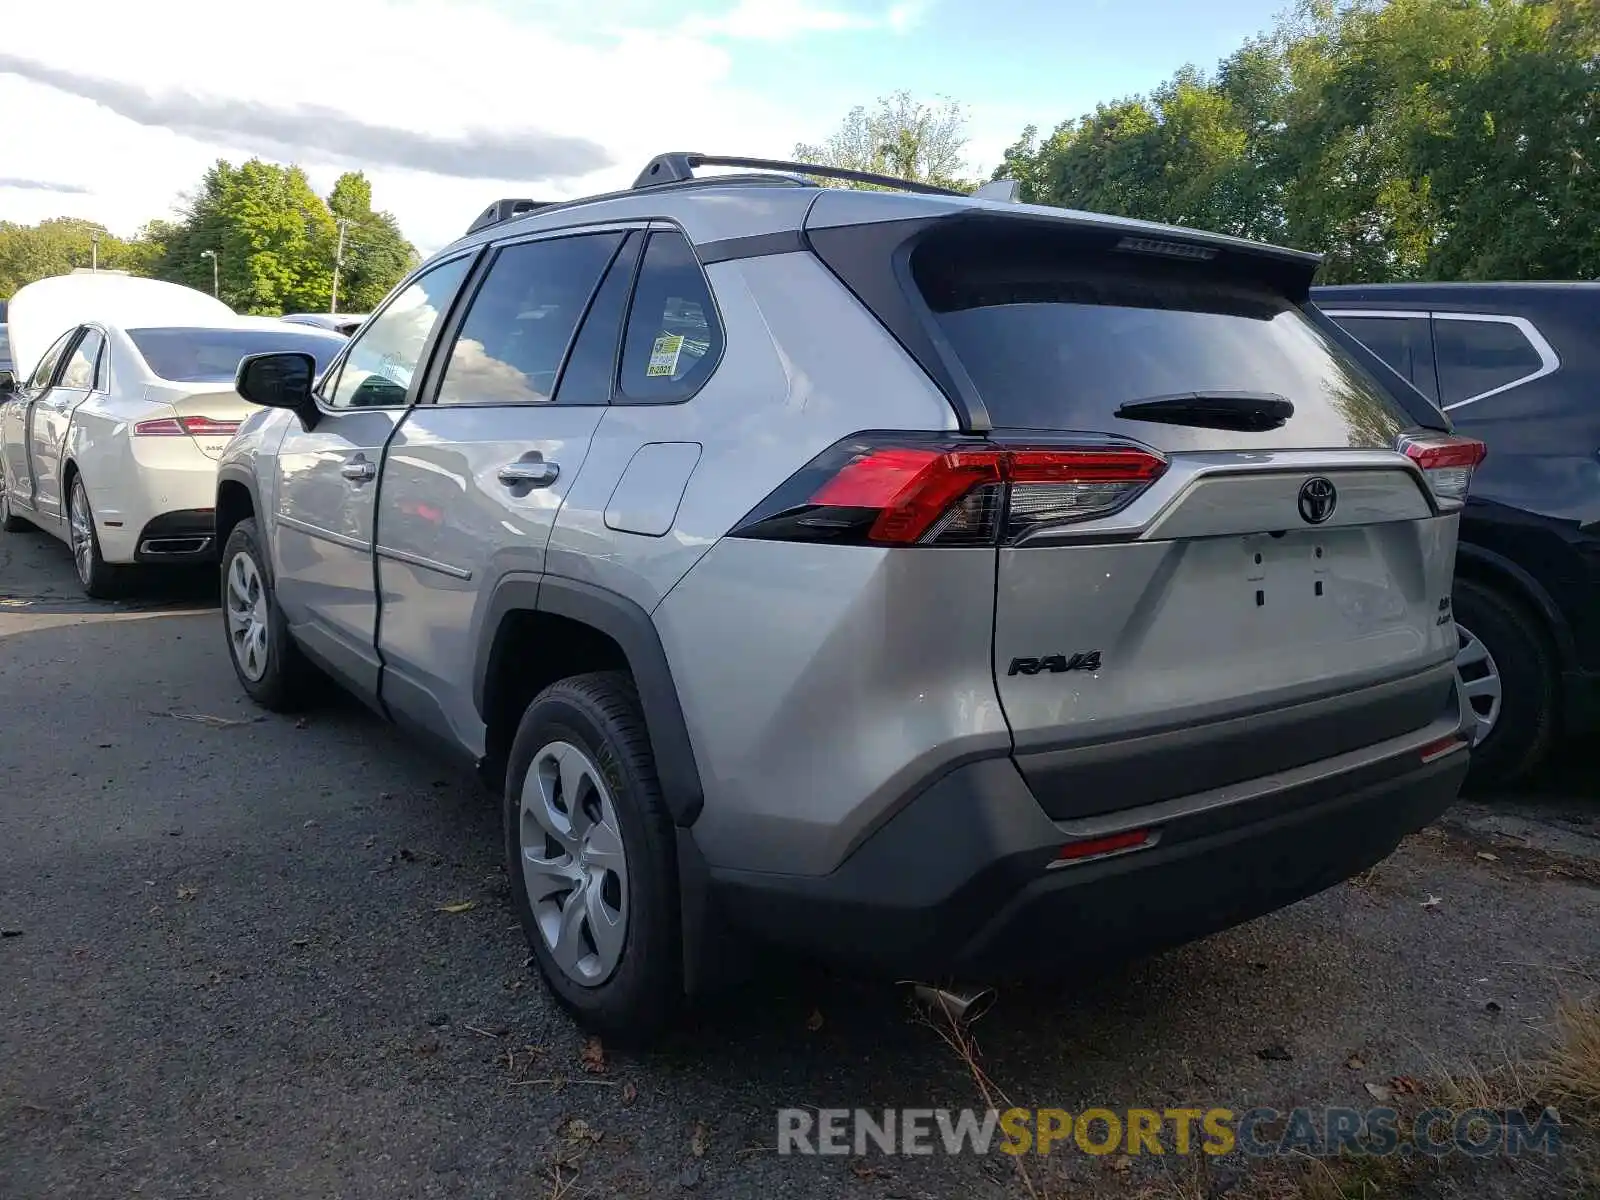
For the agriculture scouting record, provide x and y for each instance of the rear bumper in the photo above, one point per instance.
(188, 536)
(960, 881)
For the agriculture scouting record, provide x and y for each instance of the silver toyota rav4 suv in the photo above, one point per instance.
(938, 584)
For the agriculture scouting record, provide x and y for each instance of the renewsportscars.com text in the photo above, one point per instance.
(1259, 1132)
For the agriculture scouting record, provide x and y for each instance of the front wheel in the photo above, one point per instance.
(592, 857)
(265, 657)
(101, 580)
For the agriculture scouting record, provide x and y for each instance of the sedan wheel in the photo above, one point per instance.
(101, 580)
(574, 863)
(248, 627)
(1480, 683)
(82, 530)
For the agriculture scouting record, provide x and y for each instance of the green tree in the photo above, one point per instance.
(376, 254)
(58, 246)
(1400, 138)
(898, 136)
(272, 236)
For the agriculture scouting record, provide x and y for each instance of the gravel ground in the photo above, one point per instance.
(227, 971)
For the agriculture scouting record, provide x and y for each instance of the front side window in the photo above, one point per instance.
(673, 340)
(80, 368)
(384, 355)
(47, 364)
(1480, 356)
(514, 337)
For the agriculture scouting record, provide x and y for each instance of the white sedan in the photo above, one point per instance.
(110, 439)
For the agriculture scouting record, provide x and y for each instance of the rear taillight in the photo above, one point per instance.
(902, 490)
(1447, 463)
(200, 427)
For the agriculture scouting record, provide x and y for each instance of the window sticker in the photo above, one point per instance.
(664, 356)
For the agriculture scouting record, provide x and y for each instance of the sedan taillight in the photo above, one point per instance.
(199, 427)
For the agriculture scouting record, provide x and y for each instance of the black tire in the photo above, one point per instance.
(1528, 720)
(100, 579)
(284, 682)
(9, 521)
(599, 714)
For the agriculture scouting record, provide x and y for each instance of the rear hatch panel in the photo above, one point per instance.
(1278, 596)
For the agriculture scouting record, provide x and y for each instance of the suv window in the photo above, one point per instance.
(1056, 336)
(591, 370)
(47, 364)
(673, 340)
(80, 369)
(1405, 343)
(1479, 356)
(383, 357)
(510, 346)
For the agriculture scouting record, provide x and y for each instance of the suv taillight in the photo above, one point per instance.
(1447, 463)
(905, 490)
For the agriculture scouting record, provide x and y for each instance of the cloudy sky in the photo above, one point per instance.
(448, 104)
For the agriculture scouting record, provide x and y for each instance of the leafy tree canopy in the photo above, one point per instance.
(274, 240)
(1407, 139)
(898, 136)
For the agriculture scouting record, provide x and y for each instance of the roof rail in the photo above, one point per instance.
(504, 210)
(678, 167)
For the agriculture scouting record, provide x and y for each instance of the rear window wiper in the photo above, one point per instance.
(1248, 412)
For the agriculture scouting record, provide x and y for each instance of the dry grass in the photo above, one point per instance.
(1573, 1068)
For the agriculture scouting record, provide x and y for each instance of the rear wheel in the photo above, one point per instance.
(1508, 675)
(591, 857)
(101, 580)
(265, 657)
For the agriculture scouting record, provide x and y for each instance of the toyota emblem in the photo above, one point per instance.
(1318, 499)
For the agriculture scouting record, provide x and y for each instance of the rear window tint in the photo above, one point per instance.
(1058, 341)
(212, 355)
(1479, 356)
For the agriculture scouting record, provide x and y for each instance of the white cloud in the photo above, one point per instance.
(779, 20)
(407, 89)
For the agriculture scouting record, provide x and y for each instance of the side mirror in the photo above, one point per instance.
(8, 383)
(281, 379)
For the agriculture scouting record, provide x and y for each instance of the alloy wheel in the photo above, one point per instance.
(1480, 683)
(247, 617)
(82, 531)
(574, 863)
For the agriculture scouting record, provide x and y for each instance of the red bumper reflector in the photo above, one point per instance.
(1437, 750)
(1133, 839)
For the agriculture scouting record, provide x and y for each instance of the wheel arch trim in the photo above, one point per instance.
(1485, 565)
(630, 626)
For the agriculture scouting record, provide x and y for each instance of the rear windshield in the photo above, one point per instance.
(1057, 342)
(212, 355)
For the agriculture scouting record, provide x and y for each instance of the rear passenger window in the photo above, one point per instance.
(1479, 356)
(673, 340)
(515, 335)
(1405, 343)
(591, 369)
(80, 368)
